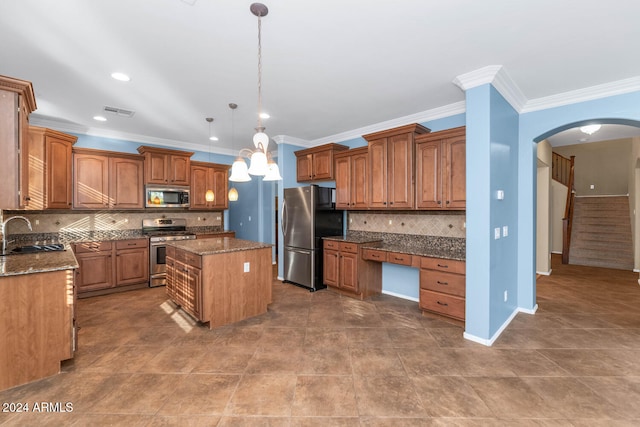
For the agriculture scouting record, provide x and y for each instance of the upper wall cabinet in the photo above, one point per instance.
(316, 164)
(50, 168)
(209, 176)
(164, 166)
(352, 186)
(107, 180)
(17, 101)
(441, 170)
(391, 167)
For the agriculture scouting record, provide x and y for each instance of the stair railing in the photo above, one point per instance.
(567, 220)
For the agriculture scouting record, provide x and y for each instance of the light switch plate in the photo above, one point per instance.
(496, 233)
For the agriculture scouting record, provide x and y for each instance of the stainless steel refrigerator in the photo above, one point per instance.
(308, 214)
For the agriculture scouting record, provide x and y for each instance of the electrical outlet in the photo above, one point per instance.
(506, 296)
(496, 233)
(247, 267)
(37, 222)
(390, 222)
(505, 231)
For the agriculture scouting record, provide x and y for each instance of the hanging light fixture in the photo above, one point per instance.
(233, 193)
(210, 196)
(590, 129)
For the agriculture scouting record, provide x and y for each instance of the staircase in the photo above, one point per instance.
(601, 233)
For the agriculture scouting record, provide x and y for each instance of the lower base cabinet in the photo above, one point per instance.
(184, 280)
(111, 266)
(443, 287)
(345, 270)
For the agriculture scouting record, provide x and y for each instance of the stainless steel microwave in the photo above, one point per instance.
(166, 197)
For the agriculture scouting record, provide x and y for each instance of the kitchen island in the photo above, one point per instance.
(219, 280)
(36, 315)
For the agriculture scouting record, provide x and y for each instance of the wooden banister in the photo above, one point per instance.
(567, 220)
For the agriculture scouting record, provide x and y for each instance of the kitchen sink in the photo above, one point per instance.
(29, 249)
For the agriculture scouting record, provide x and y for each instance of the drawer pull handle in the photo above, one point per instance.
(443, 304)
(443, 266)
(375, 256)
(442, 283)
(399, 259)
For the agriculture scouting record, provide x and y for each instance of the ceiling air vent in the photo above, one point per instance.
(119, 111)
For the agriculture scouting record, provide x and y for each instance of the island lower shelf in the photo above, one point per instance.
(220, 281)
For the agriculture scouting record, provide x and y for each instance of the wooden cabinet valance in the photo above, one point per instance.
(317, 163)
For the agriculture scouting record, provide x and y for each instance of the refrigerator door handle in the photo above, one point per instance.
(284, 217)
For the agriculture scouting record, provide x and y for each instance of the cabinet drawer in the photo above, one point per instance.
(92, 247)
(349, 247)
(171, 252)
(132, 244)
(332, 244)
(441, 264)
(447, 283)
(437, 302)
(398, 258)
(193, 260)
(374, 255)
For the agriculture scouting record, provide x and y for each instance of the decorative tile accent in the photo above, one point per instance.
(445, 224)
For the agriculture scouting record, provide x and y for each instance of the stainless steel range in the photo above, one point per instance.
(160, 231)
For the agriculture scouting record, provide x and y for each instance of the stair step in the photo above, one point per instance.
(597, 262)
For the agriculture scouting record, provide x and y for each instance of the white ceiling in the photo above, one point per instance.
(329, 67)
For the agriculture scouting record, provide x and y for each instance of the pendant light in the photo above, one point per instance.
(233, 193)
(210, 195)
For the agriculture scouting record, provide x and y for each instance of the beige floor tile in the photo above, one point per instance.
(328, 396)
(263, 395)
(388, 397)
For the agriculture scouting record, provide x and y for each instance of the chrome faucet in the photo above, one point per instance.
(3, 230)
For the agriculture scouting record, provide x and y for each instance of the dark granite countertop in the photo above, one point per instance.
(41, 262)
(428, 246)
(216, 245)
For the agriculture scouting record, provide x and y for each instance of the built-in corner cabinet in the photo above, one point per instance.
(346, 271)
(107, 180)
(352, 185)
(17, 101)
(50, 169)
(165, 166)
(441, 170)
(209, 176)
(316, 164)
(391, 167)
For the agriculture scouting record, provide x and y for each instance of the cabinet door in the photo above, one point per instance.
(220, 188)
(156, 166)
(330, 273)
(400, 173)
(428, 175)
(359, 184)
(58, 173)
(454, 174)
(199, 188)
(343, 182)
(349, 271)
(192, 289)
(179, 170)
(378, 173)
(322, 165)
(304, 168)
(90, 181)
(171, 278)
(126, 183)
(95, 271)
(132, 266)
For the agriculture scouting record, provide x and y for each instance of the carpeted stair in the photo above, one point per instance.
(601, 233)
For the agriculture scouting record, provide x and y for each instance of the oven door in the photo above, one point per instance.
(158, 263)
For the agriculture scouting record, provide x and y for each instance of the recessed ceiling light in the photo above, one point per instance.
(264, 115)
(100, 118)
(213, 138)
(590, 129)
(121, 77)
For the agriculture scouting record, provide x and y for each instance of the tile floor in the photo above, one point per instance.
(325, 360)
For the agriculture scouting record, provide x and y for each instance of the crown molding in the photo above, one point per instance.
(605, 90)
(290, 140)
(478, 77)
(497, 76)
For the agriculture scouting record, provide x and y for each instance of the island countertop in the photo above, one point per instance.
(42, 262)
(217, 245)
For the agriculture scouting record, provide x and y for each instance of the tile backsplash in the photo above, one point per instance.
(445, 224)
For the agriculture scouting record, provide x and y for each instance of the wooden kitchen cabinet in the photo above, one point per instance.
(111, 266)
(107, 180)
(316, 164)
(17, 101)
(165, 166)
(443, 287)
(50, 169)
(351, 172)
(391, 167)
(346, 271)
(441, 170)
(205, 176)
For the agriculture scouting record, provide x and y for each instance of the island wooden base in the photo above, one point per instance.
(36, 325)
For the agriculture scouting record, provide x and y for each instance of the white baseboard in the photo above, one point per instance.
(489, 342)
(544, 273)
(393, 294)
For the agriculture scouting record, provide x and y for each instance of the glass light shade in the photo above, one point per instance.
(233, 194)
(239, 171)
(273, 172)
(258, 164)
(209, 196)
(261, 138)
(589, 129)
